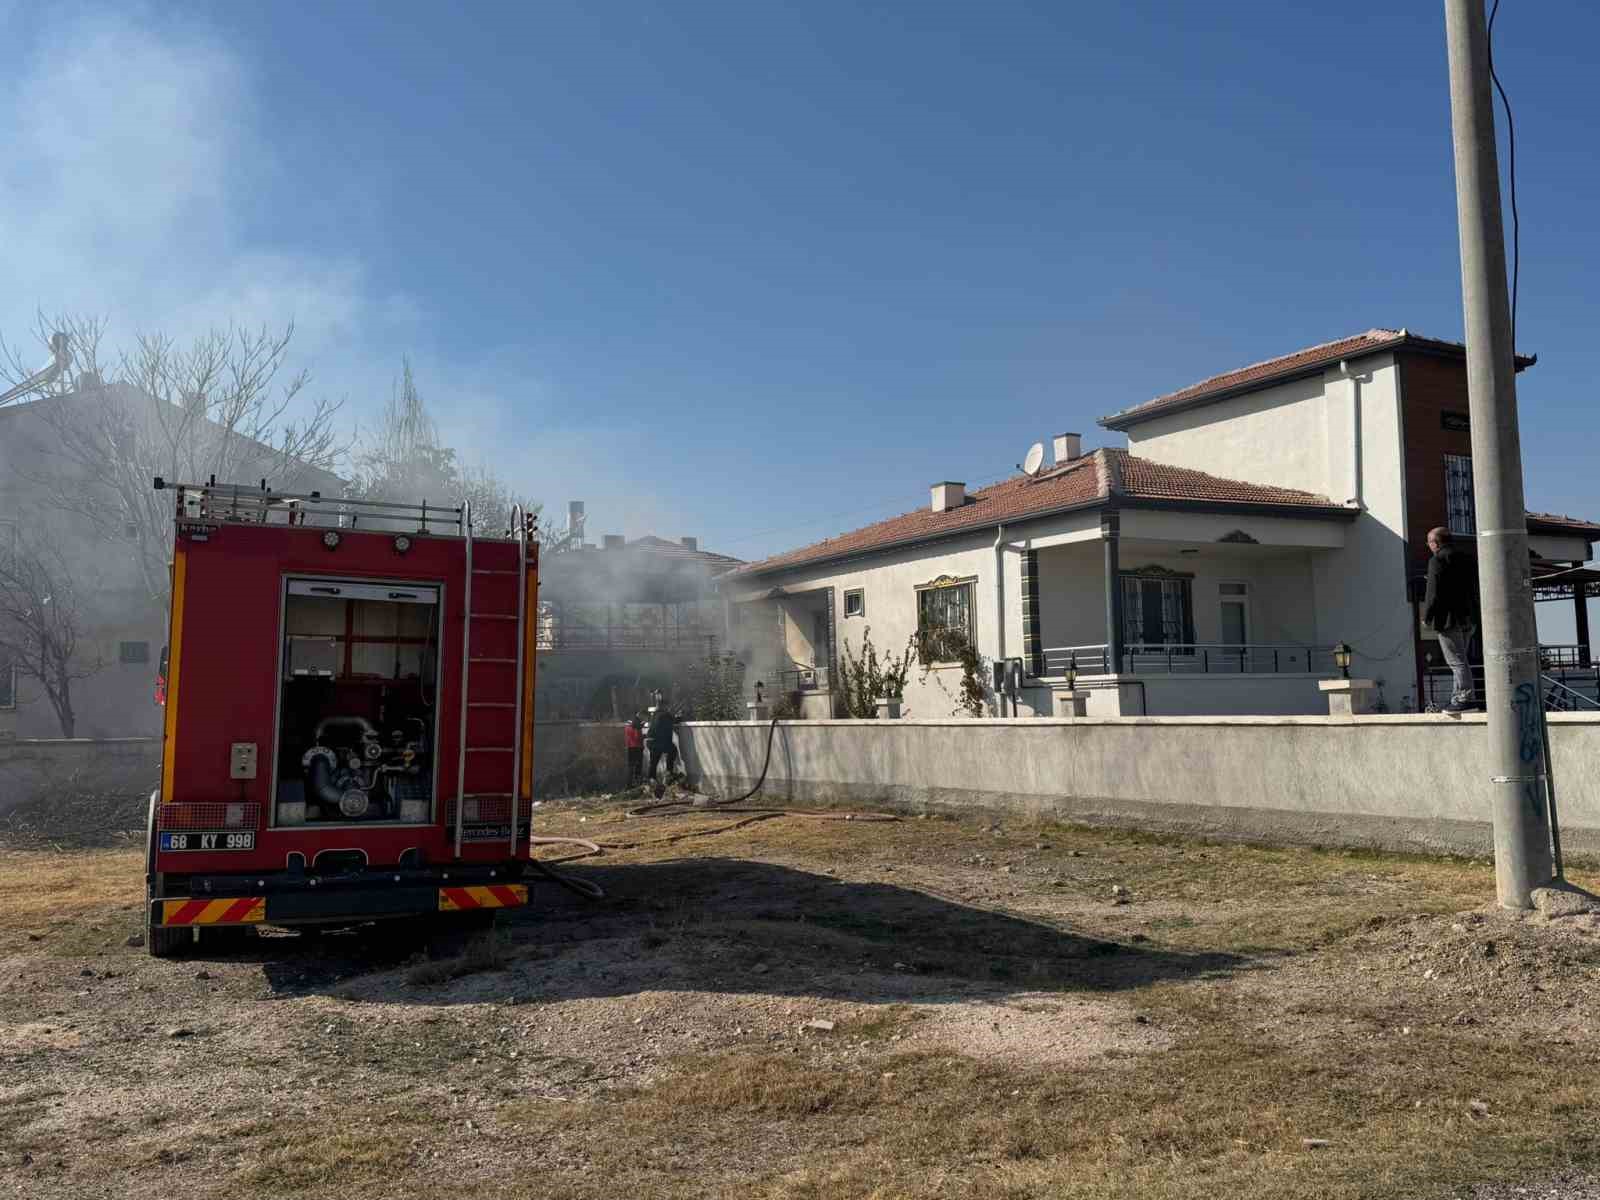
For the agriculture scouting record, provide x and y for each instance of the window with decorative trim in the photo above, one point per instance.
(1157, 608)
(944, 613)
(1461, 509)
(855, 602)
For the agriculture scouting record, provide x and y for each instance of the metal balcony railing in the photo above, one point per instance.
(1196, 658)
(804, 679)
(685, 638)
(1563, 690)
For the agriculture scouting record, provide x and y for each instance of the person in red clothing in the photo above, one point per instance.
(633, 738)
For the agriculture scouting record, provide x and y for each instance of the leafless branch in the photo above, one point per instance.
(221, 405)
(41, 625)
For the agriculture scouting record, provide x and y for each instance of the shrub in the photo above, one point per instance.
(716, 688)
(864, 680)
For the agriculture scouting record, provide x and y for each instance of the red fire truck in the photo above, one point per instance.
(349, 714)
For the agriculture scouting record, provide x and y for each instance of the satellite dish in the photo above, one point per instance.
(1035, 459)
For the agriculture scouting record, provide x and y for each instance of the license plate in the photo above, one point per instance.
(486, 833)
(208, 841)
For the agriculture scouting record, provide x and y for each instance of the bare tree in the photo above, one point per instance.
(404, 459)
(41, 626)
(223, 405)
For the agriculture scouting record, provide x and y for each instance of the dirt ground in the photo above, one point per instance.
(808, 1008)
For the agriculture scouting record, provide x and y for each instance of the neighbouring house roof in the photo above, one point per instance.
(130, 396)
(650, 544)
(1312, 360)
(1561, 524)
(647, 570)
(1100, 478)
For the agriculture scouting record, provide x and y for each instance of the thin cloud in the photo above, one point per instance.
(133, 151)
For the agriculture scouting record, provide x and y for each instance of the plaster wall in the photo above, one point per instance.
(1302, 434)
(1410, 782)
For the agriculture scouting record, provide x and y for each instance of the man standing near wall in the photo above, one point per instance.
(633, 739)
(1451, 610)
(662, 725)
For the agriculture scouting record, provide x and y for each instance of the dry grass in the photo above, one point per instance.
(1322, 1030)
(42, 888)
(486, 952)
(1226, 1110)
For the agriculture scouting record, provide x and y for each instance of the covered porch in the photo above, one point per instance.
(1166, 614)
(786, 638)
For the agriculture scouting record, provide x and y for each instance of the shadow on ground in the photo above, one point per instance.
(729, 926)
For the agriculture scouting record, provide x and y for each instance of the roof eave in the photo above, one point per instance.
(756, 569)
(1123, 421)
(1304, 512)
(1588, 533)
(1121, 502)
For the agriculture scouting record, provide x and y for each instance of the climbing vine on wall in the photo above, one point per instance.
(936, 647)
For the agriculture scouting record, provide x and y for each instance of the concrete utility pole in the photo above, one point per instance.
(1522, 855)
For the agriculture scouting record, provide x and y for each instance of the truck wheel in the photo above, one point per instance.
(160, 941)
(163, 941)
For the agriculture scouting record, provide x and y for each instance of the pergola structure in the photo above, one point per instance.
(1553, 581)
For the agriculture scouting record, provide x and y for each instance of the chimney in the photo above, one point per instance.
(1068, 447)
(614, 541)
(948, 495)
(689, 543)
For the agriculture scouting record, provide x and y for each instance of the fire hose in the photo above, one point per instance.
(675, 808)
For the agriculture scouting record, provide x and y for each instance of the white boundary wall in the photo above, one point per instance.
(1403, 782)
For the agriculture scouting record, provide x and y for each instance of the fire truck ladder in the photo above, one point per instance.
(492, 666)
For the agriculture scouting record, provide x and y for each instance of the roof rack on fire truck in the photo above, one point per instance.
(257, 504)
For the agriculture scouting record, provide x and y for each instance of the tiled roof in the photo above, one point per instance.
(1313, 358)
(1095, 479)
(1565, 524)
(650, 544)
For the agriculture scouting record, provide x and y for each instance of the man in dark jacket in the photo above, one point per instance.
(659, 739)
(1451, 610)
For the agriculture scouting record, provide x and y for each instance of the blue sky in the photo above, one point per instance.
(759, 272)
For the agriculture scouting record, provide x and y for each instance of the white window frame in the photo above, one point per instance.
(1242, 600)
(859, 594)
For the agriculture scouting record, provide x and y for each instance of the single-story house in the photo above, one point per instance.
(1253, 521)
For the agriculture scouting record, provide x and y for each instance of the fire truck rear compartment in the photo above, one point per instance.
(357, 708)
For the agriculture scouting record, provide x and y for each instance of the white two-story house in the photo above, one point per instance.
(1254, 521)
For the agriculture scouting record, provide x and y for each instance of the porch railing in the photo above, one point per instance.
(1563, 690)
(1557, 658)
(1196, 658)
(804, 679)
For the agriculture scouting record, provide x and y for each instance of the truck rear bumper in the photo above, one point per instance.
(297, 900)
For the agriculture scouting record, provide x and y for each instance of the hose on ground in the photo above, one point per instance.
(583, 887)
(673, 808)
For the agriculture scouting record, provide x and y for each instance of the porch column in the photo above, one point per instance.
(1032, 651)
(1580, 615)
(1110, 537)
